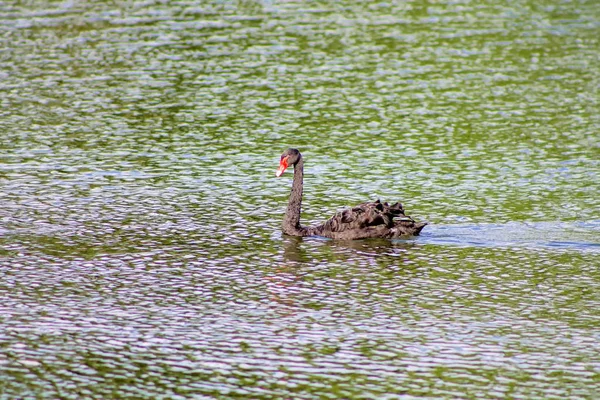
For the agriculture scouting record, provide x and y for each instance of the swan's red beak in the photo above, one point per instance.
(283, 164)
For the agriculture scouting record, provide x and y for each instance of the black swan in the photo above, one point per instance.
(366, 220)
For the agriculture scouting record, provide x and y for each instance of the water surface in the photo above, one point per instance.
(141, 254)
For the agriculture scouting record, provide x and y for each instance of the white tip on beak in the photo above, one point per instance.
(282, 167)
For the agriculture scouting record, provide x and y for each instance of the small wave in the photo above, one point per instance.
(578, 236)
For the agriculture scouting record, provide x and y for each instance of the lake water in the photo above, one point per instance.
(140, 245)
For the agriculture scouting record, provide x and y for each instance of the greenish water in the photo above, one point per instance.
(141, 253)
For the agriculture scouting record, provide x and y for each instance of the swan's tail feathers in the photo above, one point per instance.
(419, 227)
(408, 227)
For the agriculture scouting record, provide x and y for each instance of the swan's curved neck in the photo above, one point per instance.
(291, 222)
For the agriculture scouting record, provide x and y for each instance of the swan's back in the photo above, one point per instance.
(367, 220)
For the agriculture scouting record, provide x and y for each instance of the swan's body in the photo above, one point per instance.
(366, 220)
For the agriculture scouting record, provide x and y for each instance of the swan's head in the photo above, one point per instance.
(289, 157)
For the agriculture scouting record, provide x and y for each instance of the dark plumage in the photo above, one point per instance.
(366, 220)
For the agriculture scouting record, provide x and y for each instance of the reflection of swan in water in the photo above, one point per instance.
(285, 278)
(371, 247)
(307, 250)
(293, 251)
(288, 286)
(366, 220)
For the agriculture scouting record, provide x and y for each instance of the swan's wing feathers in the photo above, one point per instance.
(347, 216)
(367, 220)
(362, 216)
